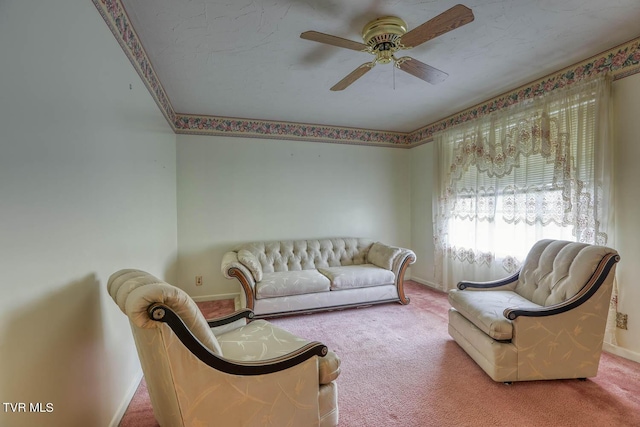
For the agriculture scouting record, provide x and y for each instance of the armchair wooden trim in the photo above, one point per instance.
(162, 313)
(244, 313)
(591, 287)
(493, 284)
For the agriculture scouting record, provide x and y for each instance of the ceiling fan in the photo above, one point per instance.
(386, 35)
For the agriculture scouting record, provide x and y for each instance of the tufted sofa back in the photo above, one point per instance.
(556, 270)
(295, 255)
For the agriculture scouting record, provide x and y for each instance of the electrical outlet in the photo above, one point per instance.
(198, 280)
(621, 320)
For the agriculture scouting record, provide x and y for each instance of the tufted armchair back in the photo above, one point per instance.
(135, 290)
(295, 255)
(556, 270)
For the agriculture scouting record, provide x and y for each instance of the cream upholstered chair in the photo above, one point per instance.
(545, 322)
(223, 372)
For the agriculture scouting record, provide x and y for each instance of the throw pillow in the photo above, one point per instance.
(251, 262)
(382, 255)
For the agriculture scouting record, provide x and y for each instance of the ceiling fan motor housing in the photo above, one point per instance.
(383, 36)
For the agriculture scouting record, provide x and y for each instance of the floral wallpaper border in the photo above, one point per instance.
(620, 61)
(210, 125)
(114, 14)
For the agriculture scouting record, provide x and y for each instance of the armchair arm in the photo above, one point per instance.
(162, 313)
(244, 313)
(506, 282)
(591, 287)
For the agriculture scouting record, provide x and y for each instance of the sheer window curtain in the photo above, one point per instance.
(541, 169)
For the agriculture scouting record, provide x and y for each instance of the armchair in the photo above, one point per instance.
(223, 371)
(547, 321)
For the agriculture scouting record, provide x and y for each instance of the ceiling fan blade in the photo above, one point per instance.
(448, 20)
(421, 70)
(353, 76)
(333, 40)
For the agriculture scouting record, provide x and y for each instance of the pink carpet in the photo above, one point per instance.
(401, 368)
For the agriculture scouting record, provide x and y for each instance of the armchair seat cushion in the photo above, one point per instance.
(287, 283)
(485, 310)
(357, 276)
(261, 340)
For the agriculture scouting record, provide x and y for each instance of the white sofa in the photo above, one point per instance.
(293, 276)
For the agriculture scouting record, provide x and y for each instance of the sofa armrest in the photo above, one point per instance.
(405, 258)
(402, 260)
(230, 262)
(506, 284)
(232, 268)
(395, 259)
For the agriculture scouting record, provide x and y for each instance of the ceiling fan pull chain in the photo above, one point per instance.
(394, 78)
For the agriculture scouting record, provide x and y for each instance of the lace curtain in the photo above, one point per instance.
(542, 169)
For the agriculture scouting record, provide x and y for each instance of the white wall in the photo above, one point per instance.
(87, 186)
(421, 214)
(233, 190)
(626, 104)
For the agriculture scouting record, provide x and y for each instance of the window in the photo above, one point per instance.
(517, 176)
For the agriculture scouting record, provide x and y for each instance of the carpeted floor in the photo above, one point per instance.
(401, 368)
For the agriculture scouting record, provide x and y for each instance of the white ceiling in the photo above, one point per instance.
(245, 59)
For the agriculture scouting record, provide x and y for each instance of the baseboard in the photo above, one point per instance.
(117, 417)
(426, 283)
(215, 297)
(622, 352)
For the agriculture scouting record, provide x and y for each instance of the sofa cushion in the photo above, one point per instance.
(287, 283)
(357, 276)
(250, 261)
(485, 309)
(382, 255)
(261, 340)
